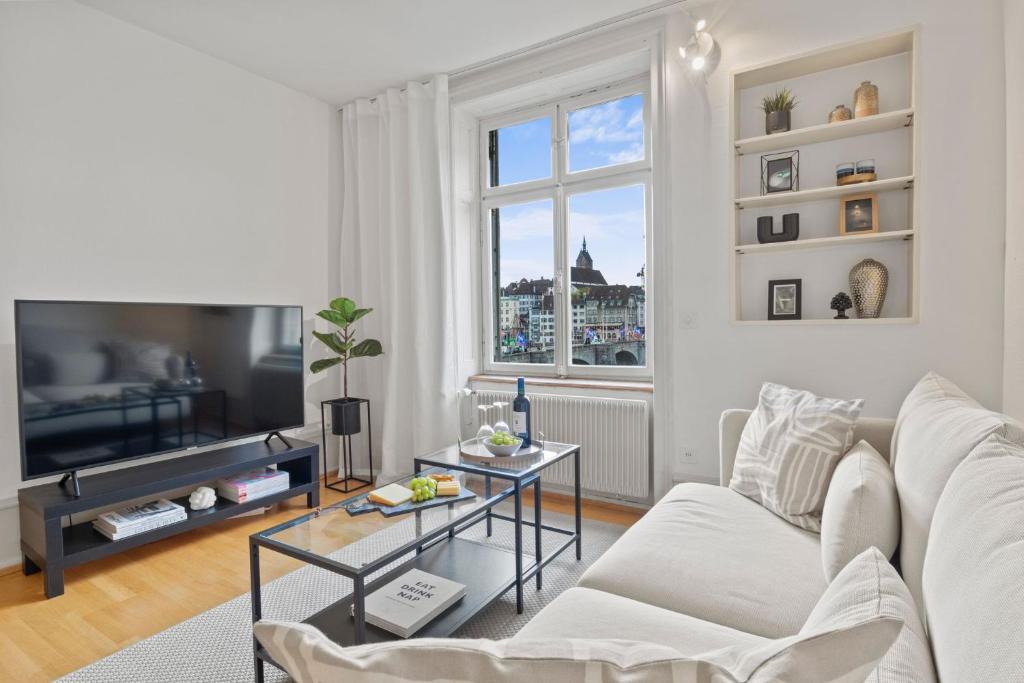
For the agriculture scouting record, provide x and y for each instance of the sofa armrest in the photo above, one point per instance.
(730, 427)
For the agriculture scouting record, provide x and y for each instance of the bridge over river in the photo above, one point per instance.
(607, 353)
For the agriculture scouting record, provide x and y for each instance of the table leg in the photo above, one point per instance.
(537, 529)
(579, 516)
(487, 494)
(519, 545)
(359, 601)
(254, 579)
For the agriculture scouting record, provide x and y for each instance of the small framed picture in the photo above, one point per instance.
(784, 299)
(858, 214)
(780, 172)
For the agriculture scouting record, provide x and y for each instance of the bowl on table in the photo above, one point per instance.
(502, 451)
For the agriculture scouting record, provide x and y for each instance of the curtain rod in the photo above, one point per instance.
(651, 9)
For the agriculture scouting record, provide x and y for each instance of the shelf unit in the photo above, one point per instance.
(822, 257)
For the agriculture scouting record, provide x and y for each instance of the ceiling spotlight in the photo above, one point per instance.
(697, 63)
(682, 52)
(701, 52)
(701, 25)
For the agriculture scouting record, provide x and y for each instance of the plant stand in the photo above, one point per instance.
(345, 466)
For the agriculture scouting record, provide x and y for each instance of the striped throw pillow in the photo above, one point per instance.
(788, 450)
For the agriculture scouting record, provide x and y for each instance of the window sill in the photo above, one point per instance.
(579, 383)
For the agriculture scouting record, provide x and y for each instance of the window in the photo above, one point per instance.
(565, 204)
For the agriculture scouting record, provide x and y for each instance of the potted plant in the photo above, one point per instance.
(343, 313)
(776, 111)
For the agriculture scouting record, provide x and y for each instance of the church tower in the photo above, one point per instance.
(583, 260)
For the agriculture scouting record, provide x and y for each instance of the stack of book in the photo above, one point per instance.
(136, 519)
(252, 485)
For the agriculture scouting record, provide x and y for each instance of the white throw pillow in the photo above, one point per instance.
(972, 572)
(789, 448)
(869, 587)
(846, 653)
(937, 426)
(861, 510)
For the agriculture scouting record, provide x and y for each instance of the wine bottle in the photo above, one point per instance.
(521, 414)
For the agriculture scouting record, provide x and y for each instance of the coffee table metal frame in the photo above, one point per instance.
(520, 480)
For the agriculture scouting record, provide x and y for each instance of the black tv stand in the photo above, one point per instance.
(48, 545)
(76, 490)
(271, 435)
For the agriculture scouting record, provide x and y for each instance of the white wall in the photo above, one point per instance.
(717, 365)
(1013, 352)
(133, 168)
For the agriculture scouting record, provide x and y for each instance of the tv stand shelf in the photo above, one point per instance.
(48, 545)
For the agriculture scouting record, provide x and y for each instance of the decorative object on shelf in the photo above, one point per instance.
(343, 313)
(780, 172)
(840, 113)
(858, 214)
(777, 108)
(869, 281)
(766, 233)
(841, 303)
(865, 100)
(844, 170)
(849, 173)
(202, 498)
(784, 299)
(866, 166)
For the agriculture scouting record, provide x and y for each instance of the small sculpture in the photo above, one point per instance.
(202, 498)
(841, 303)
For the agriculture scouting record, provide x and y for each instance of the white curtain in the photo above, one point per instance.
(396, 258)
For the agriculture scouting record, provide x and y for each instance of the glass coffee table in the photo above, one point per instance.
(427, 539)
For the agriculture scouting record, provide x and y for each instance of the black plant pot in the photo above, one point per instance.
(345, 416)
(776, 122)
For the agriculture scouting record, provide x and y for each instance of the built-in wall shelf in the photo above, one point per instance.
(820, 193)
(825, 132)
(815, 267)
(818, 242)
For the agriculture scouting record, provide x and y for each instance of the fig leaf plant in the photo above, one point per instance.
(342, 313)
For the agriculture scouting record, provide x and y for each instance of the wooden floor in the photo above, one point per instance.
(112, 603)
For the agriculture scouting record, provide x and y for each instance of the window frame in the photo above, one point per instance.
(559, 187)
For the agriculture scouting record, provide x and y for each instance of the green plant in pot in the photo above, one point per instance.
(343, 313)
(777, 108)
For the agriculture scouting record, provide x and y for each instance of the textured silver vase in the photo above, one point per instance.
(869, 281)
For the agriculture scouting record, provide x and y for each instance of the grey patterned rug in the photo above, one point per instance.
(216, 646)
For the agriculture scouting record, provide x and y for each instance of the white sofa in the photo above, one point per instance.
(707, 567)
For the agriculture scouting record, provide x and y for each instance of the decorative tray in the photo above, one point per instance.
(474, 450)
(360, 505)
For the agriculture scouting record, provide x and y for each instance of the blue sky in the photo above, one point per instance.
(611, 220)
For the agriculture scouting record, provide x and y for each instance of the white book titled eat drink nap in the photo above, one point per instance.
(408, 603)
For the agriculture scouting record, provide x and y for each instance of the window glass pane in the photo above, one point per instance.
(520, 153)
(606, 134)
(607, 233)
(523, 266)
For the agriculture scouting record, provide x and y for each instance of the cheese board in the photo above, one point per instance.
(361, 504)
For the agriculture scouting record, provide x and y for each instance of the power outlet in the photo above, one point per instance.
(688, 454)
(684, 461)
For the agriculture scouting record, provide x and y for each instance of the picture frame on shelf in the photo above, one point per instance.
(785, 299)
(780, 172)
(858, 214)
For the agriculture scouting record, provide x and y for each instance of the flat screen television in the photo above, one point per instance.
(102, 382)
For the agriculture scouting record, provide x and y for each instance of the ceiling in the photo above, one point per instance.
(338, 50)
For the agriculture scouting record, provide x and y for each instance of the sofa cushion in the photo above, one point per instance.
(973, 590)
(789, 448)
(845, 654)
(709, 552)
(937, 426)
(861, 510)
(587, 613)
(869, 586)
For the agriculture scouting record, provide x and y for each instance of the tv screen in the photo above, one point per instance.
(103, 382)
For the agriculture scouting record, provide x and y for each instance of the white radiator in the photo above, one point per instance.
(613, 435)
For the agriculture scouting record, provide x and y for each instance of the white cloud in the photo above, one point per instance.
(605, 123)
(529, 224)
(634, 152)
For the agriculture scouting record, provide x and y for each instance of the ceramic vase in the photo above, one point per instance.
(776, 122)
(865, 100)
(869, 281)
(840, 113)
